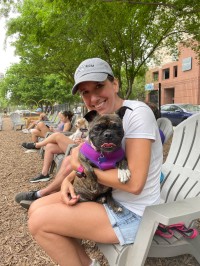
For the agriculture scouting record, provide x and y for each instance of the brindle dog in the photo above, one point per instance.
(103, 150)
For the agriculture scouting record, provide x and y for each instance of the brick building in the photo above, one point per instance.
(179, 81)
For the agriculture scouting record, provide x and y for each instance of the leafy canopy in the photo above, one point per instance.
(54, 36)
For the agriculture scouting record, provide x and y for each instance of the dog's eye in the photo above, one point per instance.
(116, 126)
(99, 127)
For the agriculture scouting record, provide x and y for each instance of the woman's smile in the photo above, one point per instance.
(100, 105)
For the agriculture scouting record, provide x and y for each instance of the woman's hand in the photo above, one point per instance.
(68, 195)
(78, 141)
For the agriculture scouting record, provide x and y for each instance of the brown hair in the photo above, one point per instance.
(155, 109)
(68, 114)
(110, 78)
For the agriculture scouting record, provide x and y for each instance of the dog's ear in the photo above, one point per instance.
(121, 111)
(90, 115)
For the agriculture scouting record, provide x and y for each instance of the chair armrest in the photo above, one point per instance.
(69, 148)
(185, 211)
(174, 212)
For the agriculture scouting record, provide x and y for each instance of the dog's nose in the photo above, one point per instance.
(108, 134)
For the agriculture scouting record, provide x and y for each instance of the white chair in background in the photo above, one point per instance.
(166, 126)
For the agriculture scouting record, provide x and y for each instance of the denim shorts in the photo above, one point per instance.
(125, 224)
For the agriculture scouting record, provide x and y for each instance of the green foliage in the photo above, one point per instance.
(20, 89)
(54, 36)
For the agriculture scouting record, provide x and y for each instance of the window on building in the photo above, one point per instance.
(166, 73)
(155, 76)
(187, 64)
(175, 71)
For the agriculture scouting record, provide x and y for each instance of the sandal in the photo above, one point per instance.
(183, 230)
(164, 231)
(179, 225)
(180, 228)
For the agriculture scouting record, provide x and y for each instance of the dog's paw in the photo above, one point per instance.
(124, 175)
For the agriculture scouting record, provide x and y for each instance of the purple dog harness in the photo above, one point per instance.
(103, 161)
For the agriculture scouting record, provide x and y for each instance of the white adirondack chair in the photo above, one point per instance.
(166, 126)
(54, 120)
(180, 203)
(17, 121)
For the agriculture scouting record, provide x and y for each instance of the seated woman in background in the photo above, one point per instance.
(32, 122)
(56, 143)
(41, 129)
(157, 115)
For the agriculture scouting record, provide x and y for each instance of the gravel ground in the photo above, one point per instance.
(16, 245)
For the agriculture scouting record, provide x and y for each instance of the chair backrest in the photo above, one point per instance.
(15, 117)
(182, 166)
(12, 115)
(73, 121)
(166, 126)
(49, 115)
(54, 116)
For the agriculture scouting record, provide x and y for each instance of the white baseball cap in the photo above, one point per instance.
(92, 69)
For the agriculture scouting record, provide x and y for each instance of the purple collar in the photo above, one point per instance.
(103, 161)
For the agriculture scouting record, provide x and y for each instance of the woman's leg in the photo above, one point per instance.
(32, 125)
(50, 150)
(40, 131)
(55, 185)
(44, 201)
(57, 138)
(35, 133)
(55, 222)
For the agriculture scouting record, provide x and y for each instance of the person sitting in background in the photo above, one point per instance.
(41, 128)
(34, 117)
(56, 143)
(157, 115)
(31, 123)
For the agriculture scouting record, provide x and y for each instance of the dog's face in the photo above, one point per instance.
(81, 124)
(106, 132)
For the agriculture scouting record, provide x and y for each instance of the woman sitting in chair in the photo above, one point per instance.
(157, 115)
(33, 121)
(41, 129)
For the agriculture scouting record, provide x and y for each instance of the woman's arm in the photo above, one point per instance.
(138, 153)
(67, 126)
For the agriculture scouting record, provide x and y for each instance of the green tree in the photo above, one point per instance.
(54, 36)
(20, 89)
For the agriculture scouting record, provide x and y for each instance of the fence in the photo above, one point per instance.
(76, 108)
